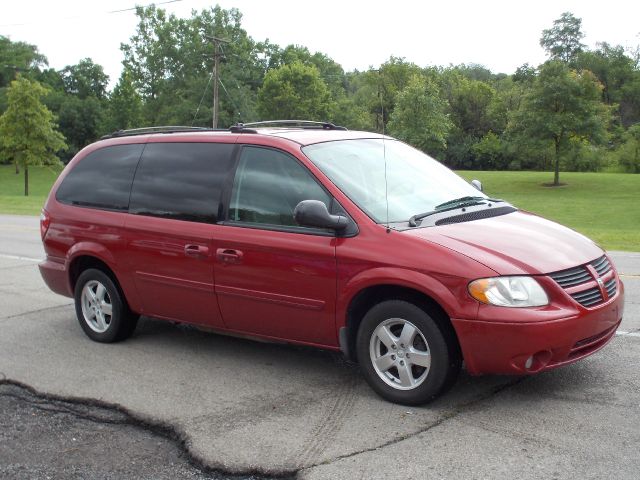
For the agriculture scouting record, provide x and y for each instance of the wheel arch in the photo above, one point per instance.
(368, 296)
(83, 260)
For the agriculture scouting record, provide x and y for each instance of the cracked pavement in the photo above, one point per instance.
(246, 407)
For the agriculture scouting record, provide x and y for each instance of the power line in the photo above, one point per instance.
(231, 99)
(76, 17)
(201, 99)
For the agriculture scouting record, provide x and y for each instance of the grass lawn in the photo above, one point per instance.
(12, 199)
(603, 206)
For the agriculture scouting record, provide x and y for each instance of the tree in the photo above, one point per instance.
(85, 79)
(28, 133)
(80, 104)
(295, 91)
(563, 105)
(170, 60)
(629, 153)
(330, 71)
(473, 111)
(489, 152)
(563, 40)
(125, 106)
(18, 57)
(419, 116)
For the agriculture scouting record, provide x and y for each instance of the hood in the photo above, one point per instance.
(516, 243)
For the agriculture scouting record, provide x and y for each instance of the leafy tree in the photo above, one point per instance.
(376, 90)
(419, 116)
(629, 153)
(563, 40)
(629, 108)
(525, 73)
(18, 57)
(473, 111)
(564, 105)
(28, 134)
(125, 106)
(330, 71)
(489, 152)
(170, 60)
(620, 79)
(470, 102)
(85, 79)
(79, 120)
(80, 104)
(295, 91)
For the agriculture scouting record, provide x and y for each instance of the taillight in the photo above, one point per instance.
(45, 220)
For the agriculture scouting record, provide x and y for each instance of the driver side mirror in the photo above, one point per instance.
(477, 184)
(314, 213)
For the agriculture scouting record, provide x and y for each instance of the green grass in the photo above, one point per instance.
(603, 206)
(12, 199)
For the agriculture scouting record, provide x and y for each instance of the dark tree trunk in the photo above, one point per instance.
(556, 174)
(26, 181)
(17, 168)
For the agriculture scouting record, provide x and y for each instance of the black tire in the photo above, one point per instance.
(434, 341)
(116, 326)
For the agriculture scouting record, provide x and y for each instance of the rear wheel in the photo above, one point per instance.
(100, 307)
(404, 354)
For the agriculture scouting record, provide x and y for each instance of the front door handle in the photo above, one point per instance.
(229, 255)
(196, 250)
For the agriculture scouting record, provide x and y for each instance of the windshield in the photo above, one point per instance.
(416, 183)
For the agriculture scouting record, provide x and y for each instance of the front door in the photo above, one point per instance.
(273, 277)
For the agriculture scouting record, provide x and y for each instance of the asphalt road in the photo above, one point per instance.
(238, 406)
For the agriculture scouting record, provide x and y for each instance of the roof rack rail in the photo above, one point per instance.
(304, 124)
(160, 129)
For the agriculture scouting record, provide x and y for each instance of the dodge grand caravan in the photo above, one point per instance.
(315, 235)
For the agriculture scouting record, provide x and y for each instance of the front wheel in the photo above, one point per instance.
(101, 309)
(404, 354)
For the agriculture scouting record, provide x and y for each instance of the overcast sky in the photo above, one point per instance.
(500, 35)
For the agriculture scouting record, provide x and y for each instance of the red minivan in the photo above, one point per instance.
(311, 234)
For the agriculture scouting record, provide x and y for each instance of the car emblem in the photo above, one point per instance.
(600, 282)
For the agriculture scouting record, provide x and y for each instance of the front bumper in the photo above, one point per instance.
(513, 347)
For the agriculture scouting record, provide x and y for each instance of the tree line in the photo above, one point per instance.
(580, 110)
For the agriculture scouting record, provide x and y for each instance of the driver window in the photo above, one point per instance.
(267, 187)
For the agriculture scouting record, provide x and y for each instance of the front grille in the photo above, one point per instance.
(601, 265)
(611, 287)
(580, 275)
(588, 297)
(571, 277)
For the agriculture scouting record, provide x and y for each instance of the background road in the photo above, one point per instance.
(242, 406)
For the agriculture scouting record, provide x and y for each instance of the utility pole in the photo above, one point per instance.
(216, 74)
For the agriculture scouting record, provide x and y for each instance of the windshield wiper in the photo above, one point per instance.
(452, 205)
(457, 201)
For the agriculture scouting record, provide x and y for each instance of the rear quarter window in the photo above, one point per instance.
(102, 179)
(181, 181)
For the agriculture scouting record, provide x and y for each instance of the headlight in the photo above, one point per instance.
(509, 292)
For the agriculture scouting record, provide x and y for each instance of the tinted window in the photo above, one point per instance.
(102, 179)
(267, 187)
(182, 181)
